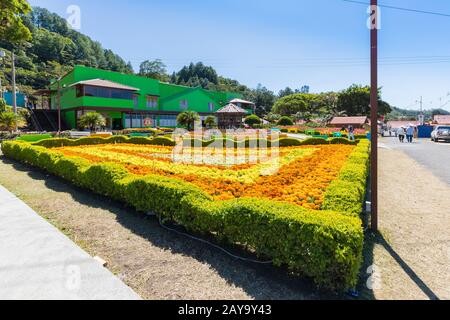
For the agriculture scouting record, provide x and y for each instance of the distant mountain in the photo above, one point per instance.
(404, 114)
(54, 49)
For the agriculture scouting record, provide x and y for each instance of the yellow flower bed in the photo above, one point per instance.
(298, 175)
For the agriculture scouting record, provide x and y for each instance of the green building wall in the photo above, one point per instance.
(169, 96)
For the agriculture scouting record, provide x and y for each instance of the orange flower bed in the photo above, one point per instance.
(301, 174)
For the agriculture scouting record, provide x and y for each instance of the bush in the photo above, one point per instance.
(342, 141)
(315, 141)
(252, 120)
(324, 245)
(285, 121)
(139, 140)
(34, 137)
(290, 142)
(58, 143)
(347, 193)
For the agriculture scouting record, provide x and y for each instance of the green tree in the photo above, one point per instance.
(155, 69)
(298, 102)
(92, 120)
(285, 121)
(12, 27)
(53, 50)
(9, 121)
(253, 120)
(285, 92)
(305, 116)
(196, 75)
(51, 46)
(355, 101)
(272, 117)
(210, 122)
(2, 105)
(188, 119)
(263, 99)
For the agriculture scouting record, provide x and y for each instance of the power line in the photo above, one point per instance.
(401, 8)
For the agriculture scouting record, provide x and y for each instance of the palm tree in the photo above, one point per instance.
(188, 119)
(92, 120)
(2, 104)
(9, 121)
(210, 122)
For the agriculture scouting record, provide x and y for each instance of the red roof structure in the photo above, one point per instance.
(105, 84)
(349, 121)
(402, 123)
(232, 108)
(442, 120)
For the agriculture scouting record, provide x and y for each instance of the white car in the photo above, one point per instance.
(440, 133)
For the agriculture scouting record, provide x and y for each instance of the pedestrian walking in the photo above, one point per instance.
(410, 134)
(351, 133)
(401, 134)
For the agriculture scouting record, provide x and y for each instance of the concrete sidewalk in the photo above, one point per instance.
(38, 262)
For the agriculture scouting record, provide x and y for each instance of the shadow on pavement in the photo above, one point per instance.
(373, 239)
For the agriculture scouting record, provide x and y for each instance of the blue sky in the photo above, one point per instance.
(320, 43)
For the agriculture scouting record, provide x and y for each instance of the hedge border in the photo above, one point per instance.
(346, 194)
(323, 245)
(165, 141)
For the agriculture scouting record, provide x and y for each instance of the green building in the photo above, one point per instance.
(130, 101)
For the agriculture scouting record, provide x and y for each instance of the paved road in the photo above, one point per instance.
(434, 156)
(37, 262)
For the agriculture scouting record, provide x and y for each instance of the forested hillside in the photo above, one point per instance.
(53, 50)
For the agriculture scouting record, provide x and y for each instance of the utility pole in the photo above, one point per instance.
(14, 100)
(2, 55)
(421, 115)
(374, 111)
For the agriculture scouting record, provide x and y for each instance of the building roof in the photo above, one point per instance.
(348, 120)
(234, 101)
(105, 84)
(402, 123)
(232, 108)
(439, 119)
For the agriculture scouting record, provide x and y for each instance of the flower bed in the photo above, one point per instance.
(299, 209)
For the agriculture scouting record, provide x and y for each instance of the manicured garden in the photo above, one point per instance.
(297, 205)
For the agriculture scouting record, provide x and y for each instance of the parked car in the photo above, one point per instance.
(440, 133)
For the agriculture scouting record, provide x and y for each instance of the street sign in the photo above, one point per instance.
(148, 122)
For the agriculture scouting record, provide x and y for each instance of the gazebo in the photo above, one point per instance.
(230, 116)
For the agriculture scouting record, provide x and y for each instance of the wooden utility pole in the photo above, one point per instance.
(374, 111)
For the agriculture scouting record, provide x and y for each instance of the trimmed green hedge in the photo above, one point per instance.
(64, 142)
(347, 193)
(34, 137)
(166, 141)
(324, 245)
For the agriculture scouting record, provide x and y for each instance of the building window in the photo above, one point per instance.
(138, 120)
(211, 107)
(168, 121)
(184, 104)
(100, 92)
(152, 102)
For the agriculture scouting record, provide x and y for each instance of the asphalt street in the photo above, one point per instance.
(434, 156)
